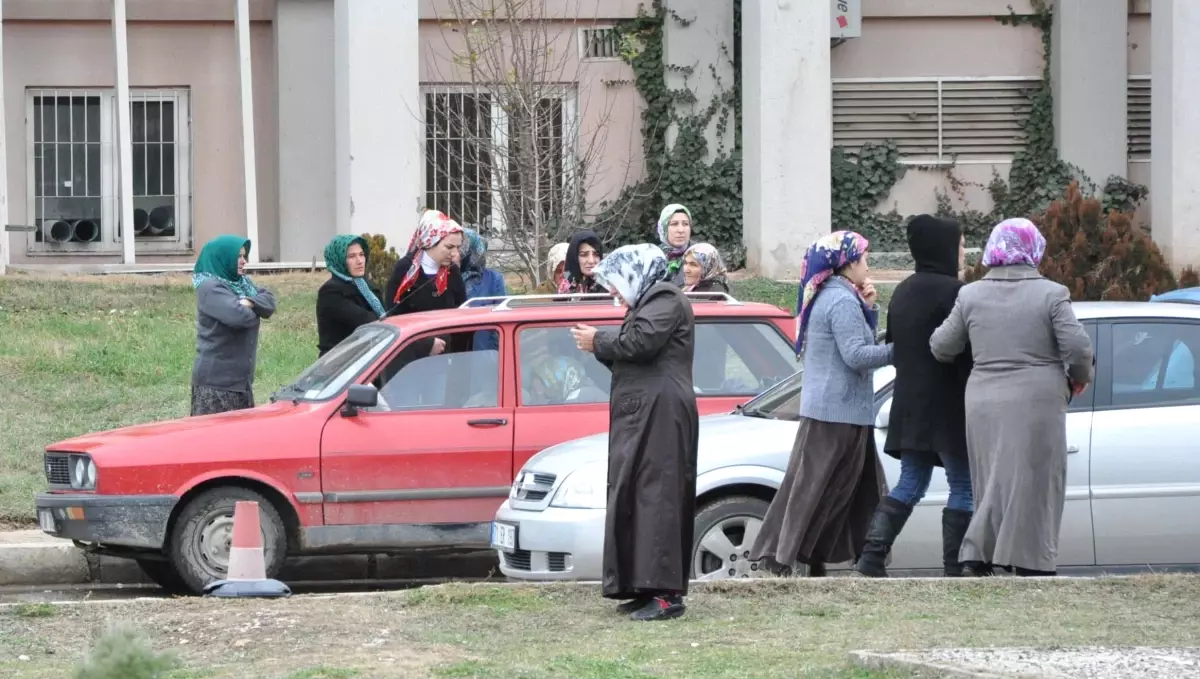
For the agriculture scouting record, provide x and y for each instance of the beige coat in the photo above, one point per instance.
(1025, 340)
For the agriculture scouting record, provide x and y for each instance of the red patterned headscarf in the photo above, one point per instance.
(433, 228)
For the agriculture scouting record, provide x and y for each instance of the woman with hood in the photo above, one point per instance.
(1031, 354)
(703, 269)
(928, 425)
(229, 309)
(427, 278)
(480, 281)
(347, 300)
(653, 435)
(833, 481)
(583, 254)
(675, 234)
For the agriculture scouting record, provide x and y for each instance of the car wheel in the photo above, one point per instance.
(163, 574)
(204, 531)
(725, 533)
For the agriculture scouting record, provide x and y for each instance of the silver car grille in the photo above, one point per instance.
(534, 486)
(58, 470)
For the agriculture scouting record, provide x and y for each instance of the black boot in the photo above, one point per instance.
(887, 523)
(1030, 573)
(954, 527)
(977, 569)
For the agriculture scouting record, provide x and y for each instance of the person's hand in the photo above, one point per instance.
(439, 345)
(246, 302)
(868, 292)
(1077, 388)
(585, 337)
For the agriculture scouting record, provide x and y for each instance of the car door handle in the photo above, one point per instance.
(488, 422)
(1071, 450)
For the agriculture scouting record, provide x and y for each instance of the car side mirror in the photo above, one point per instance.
(359, 396)
(885, 415)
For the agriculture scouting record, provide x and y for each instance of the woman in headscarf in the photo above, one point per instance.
(833, 481)
(229, 307)
(703, 269)
(427, 278)
(347, 300)
(555, 380)
(556, 268)
(675, 234)
(653, 434)
(583, 254)
(480, 281)
(927, 428)
(1022, 332)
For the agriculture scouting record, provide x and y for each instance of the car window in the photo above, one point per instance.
(1085, 400)
(553, 371)
(1155, 363)
(740, 358)
(465, 375)
(333, 371)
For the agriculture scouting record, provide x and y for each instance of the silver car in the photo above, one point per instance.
(1133, 479)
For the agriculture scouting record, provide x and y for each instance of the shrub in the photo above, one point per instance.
(1098, 254)
(123, 652)
(381, 260)
(1189, 278)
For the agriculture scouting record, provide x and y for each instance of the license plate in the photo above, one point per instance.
(504, 536)
(46, 521)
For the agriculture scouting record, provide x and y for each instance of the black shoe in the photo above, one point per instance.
(660, 608)
(632, 605)
(954, 527)
(816, 570)
(1030, 573)
(977, 569)
(887, 523)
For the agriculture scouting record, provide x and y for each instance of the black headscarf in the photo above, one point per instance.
(573, 277)
(933, 243)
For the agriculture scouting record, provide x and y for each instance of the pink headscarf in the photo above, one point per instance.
(1014, 241)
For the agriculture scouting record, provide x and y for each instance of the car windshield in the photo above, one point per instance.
(782, 401)
(330, 374)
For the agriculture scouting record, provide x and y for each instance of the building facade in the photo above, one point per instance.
(293, 120)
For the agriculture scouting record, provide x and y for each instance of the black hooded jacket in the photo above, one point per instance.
(928, 411)
(579, 282)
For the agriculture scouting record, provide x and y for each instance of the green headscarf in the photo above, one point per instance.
(219, 260)
(335, 261)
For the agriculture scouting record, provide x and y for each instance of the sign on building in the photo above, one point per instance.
(847, 19)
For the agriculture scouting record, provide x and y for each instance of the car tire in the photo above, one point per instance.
(163, 574)
(733, 518)
(199, 548)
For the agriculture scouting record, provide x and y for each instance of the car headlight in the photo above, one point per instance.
(584, 488)
(83, 472)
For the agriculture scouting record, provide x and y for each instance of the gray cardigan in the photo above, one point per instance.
(227, 336)
(840, 355)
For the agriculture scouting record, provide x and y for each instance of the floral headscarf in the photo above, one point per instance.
(631, 270)
(335, 262)
(219, 260)
(556, 378)
(474, 258)
(674, 254)
(712, 267)
(573, 280)
(821, 261)
(1014, 241)
(433, 228)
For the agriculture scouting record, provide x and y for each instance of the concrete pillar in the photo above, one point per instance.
(1175, 130)
(304, 44)
(241, 27)
(5, 256)
(379, 135)
(706, 41)
(1089, 73)
(124, 135)
(787, 131)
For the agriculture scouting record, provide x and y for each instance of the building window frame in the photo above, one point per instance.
(1137, 137)
(163, 218)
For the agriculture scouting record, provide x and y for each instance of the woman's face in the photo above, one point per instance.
(691, 270)
(962, 252)
(588, 259)
(558, 273)
(242, 262)
(679, 230)
(356, 261)
(857, 272)
(446, 252)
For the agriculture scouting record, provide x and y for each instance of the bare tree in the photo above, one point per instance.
(507, 152)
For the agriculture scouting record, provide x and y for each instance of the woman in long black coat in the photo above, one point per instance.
(653, 434)
(427, 277)
(928, 424)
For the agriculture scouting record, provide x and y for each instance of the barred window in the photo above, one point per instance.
(935, 120)
(599, 42)
(1137, 105)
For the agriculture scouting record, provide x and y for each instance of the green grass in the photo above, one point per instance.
(33, 610)
(85, 354)
(762, 629)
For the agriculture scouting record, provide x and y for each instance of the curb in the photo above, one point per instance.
(873, 660)
(28, 559)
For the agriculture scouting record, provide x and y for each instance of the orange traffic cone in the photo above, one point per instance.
(247, 576)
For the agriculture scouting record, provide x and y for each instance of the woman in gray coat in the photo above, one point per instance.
(653, 435)
(1022, 333)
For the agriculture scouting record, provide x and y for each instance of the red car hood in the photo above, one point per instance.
(160, 431)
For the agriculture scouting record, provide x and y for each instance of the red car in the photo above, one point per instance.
(373, 449)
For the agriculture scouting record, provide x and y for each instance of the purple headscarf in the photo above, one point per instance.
(1014, 241)
(822, 260)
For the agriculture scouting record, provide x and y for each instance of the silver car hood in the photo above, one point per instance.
(724, 440)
